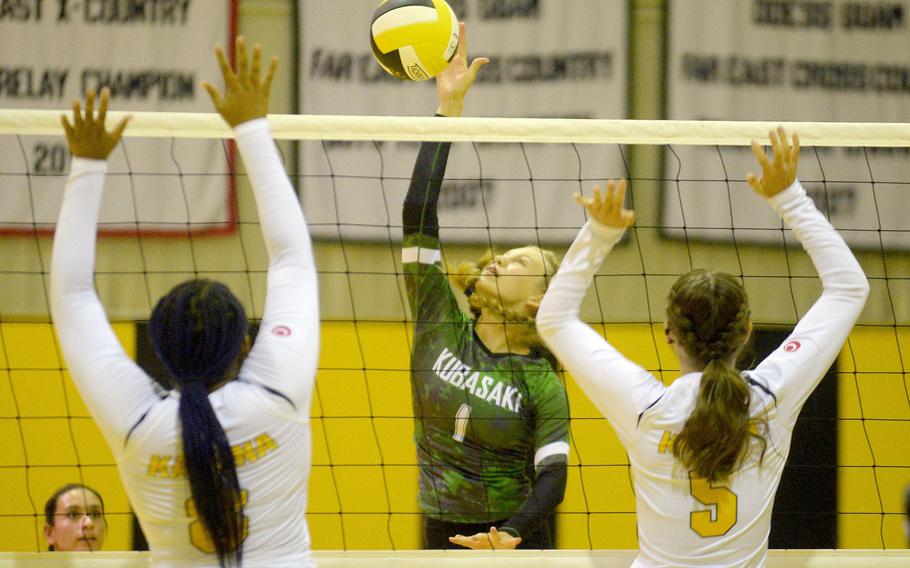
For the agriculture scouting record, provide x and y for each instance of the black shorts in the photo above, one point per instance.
(436, 534)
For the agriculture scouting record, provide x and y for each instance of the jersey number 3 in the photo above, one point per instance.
(706, 523)
(199, 537)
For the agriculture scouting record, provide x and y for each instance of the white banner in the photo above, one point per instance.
(785, 60)
(545, 62)
(152, 54)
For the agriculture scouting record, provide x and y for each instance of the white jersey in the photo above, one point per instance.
(264, 412)
(685, 521)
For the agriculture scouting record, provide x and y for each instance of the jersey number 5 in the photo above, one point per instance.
(199, 537)
(722, 499)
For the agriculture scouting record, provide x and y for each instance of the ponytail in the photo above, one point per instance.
(713, 441)
(197, 330)
(709, 312)
(212, 473)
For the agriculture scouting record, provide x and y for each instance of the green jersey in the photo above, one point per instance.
(483, 420)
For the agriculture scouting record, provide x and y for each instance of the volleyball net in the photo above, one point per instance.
(177, 208)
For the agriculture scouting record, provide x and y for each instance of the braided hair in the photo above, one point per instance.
(197, 331)
(709, 313)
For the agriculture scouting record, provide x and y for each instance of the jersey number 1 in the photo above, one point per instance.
(724, 502)
(461, 422)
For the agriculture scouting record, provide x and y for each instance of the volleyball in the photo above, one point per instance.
(414, 39)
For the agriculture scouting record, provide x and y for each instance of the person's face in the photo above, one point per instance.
(516, 277)
(78, 522)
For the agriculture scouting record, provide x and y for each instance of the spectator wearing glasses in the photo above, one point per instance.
(74, 519)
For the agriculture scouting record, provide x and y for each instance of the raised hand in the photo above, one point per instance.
(453, 83)
(779, 173)
(246, 94)
(486, 541)
(86, 136)
(608, 209)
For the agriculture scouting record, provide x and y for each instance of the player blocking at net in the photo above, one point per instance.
(201, 497)
(491, 415)
(707, 452)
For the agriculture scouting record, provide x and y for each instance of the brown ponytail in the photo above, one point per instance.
(709, 313)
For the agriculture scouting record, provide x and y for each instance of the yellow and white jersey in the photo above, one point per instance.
(264, 412)
(684, 520)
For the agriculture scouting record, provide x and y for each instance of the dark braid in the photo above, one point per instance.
(197, 330)
(709, 314)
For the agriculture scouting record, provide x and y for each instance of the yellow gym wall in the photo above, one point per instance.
(31, 384)
(363, 460)
(874, 412)
(47, 433)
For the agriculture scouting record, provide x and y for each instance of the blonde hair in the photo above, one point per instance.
(465, 274)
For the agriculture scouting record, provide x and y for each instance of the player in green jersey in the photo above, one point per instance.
(491, 415)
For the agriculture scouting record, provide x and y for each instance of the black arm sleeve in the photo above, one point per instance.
(547, 492)
(419, 212)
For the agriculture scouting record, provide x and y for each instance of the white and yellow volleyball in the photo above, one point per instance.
(414, 39)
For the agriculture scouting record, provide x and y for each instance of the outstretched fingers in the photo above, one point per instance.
(616, 193)
(778, 171)
(759, 152)
(214, 94)
(794, 151)
(776, 144)
(476, 65)
(120, 127)
(89, 106)
(461, 53)
(610, 210)
(762, 158)
(753, 182)
(230, 78)
(462, 49)
(243, 66)
(87, 134)
(67, 127)
(269, 75)
(588, 202)
(460, 540)
(102, 105)
(245, 94)
(256, 68)
(786, 152)
(77, 114)
(493, 537)
(784, 144)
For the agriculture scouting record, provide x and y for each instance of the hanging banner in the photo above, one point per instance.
(152, 55)
(543, 64)
(786, 60)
